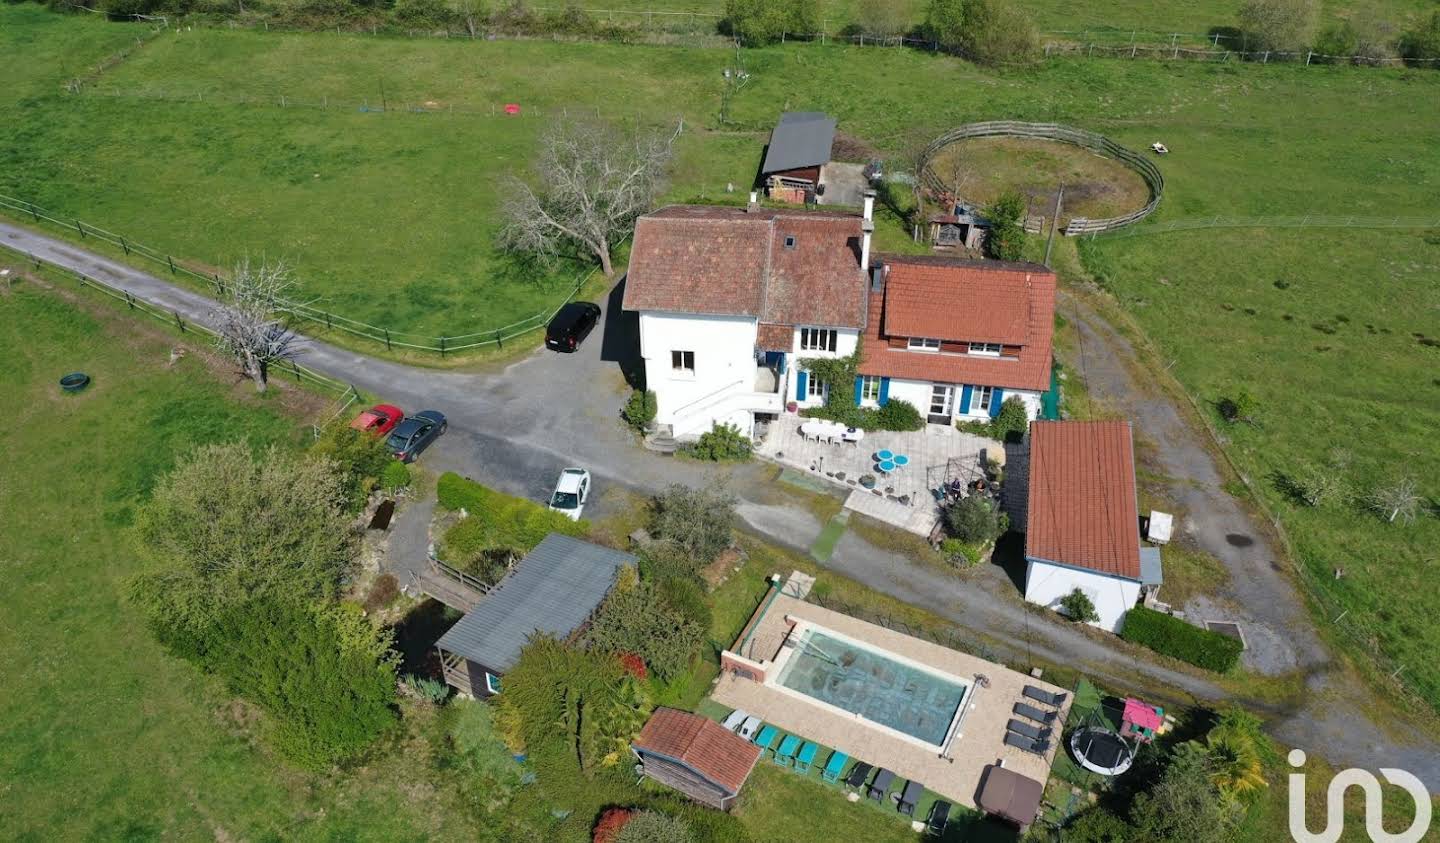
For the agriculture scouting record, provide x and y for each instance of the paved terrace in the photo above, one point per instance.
(937, 453)
(979, 743)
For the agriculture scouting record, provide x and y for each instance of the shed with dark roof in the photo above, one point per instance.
(696, 756)
(801, 140)
(554, 590)
(1009, 796)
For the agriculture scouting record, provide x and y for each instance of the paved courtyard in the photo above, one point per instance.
(904, 497)
(980, 734)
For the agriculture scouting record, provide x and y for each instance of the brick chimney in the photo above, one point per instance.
(867, 228)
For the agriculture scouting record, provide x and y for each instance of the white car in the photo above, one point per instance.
(571, 492)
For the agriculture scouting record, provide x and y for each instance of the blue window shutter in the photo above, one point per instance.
(859, 381)
(997, 396)
(781, 368)
(965, 394)
(884, 391)
(800, 379)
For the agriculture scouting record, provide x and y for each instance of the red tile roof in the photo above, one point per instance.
(772, 337)
(956, 295)
(701, 744)
(1082, 506)
(730, 261)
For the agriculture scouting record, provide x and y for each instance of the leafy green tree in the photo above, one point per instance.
(635, 618)
(227, 526)
(361, 458)
(1422, 43)
(1006, 239)
(1279, 25)
(1236, 768)
(1097, 825)
(325, 673)
(654, 827)
(945, 23)
(998, 32)
(975, 519)
(697, 522)
(1184, 806)
(765, 21)
(1012, 422)
(1079, 607)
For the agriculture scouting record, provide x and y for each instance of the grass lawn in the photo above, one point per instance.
(104, 736)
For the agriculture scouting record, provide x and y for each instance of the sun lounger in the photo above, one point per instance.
(1040, 695)
(909, 796)
(939, 818)
(1027, 744)
(881, 785)
(735, 719)
(834, 766)
(858, 774)
(749, 727)
(1044, 718)
(766, 739)
(785, 755)
(1034, 733)
(806, 757)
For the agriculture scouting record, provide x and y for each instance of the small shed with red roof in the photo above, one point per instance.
(696, 756)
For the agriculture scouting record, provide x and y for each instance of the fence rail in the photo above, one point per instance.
(444, 344)
(1305, 221)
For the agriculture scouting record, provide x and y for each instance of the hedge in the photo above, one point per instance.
(497, 519)
(1173, 637)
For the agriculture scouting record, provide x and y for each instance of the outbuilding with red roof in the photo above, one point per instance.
(696, 756)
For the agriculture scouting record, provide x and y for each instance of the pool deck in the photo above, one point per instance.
(979, 743)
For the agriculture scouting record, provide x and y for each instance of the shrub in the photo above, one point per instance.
(1173, 637)
(975, 519)
(361, 458)
(498, 520)
(382, 593)
(640, 410)
(395, 476)
(1006, 238)
(722, 443)
(1078, 607)
(899, 415)
(945, 22)
(609, 824)
(998, 32)
(1097, 825)
(884, 19)
(1279, 25)
(697, 522)
(430, 690)
(1241, 407)
(635, 618)
(654, 827)
(1012, 422)
(957, 553)
(1423, 42)
(766, 21)
(489, 773)
(423, 13)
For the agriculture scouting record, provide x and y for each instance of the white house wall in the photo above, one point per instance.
(846, 342)
(1045, 584)
(918, 393)
(724, 349)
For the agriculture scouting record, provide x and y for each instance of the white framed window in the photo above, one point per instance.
(814, 387)
(987, 349)
(869, 388)
(983, 396)
(922, 344)
(818, 339)
(682, 362)
(492, 683)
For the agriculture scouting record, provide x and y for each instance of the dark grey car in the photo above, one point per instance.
(414, 434)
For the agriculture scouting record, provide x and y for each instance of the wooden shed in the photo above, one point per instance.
(799, 147)
(696, 756)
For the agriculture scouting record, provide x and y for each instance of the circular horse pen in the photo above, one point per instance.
(1098, 144)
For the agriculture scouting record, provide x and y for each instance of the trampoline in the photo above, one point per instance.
(1101, 751)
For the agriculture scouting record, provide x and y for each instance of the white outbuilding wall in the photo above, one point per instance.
(1046, 583)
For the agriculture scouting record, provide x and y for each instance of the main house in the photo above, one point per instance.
(731, 299)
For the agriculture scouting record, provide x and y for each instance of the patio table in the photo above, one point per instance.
(884, 456)
(901, 460)
(886, 466)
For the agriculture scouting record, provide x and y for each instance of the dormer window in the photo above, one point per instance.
(985, 349)
(789, 241)
(923, 344)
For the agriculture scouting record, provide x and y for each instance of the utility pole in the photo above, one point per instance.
(1054, 224)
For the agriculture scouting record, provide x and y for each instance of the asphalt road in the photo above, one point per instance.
(516, 428)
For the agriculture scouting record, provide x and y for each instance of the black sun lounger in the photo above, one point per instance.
(1034, 733)
(858, 774)
(1027, 744)
(881, 784)
(909, 797)
(1045, 718)
(1044, 696)
(939, 818)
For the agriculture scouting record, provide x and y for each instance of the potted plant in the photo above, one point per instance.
(792, 407)
(868, 481)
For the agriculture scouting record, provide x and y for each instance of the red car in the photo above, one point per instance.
(379, 419)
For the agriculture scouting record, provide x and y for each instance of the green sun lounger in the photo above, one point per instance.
(835, 766)
(785, 755)
(806, 757)
(766, 738)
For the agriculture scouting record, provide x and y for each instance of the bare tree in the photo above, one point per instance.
(1400, 499)
(885, 18)
(246, 327)
(593, 181)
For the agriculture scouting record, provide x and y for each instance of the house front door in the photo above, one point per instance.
(942, 403)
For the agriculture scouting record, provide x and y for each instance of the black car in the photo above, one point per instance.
(571, 325)
(415, 434)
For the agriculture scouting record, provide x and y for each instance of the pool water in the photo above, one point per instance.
(868, 683)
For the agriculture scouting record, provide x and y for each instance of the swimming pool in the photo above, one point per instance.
(866, 682)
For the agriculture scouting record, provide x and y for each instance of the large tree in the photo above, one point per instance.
(1185, 806)
(696, 522)
(590, 181)
(246, 326)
